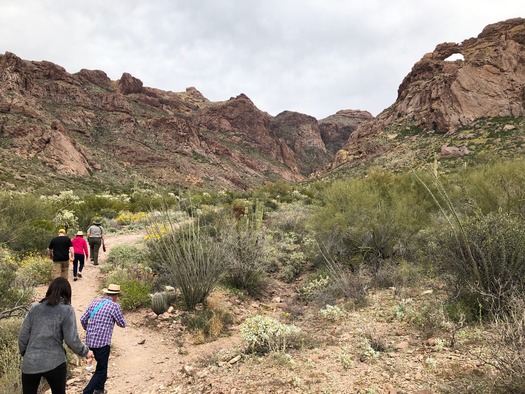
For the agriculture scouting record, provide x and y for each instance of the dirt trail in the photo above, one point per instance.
(141, 360)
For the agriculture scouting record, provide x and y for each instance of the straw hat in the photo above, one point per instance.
(112, 289)
(80, 232)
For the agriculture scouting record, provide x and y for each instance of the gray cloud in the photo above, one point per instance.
(310, 56)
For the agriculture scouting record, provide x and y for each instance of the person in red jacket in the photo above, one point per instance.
(81, 253)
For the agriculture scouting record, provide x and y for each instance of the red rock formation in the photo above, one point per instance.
(86, 125)
(439, 96)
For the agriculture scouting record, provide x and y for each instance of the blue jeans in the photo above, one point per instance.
(98, 380)
(79, 259)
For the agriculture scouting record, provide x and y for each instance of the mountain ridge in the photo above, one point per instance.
(86, 127)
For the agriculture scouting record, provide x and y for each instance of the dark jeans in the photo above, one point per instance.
(56, 378)
(94, 246)
(98, 380)
(79, 258)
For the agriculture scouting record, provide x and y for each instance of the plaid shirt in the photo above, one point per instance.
(100, 327)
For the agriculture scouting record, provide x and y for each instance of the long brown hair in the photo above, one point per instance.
(59, 290)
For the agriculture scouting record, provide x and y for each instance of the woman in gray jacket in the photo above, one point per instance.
(47, 325)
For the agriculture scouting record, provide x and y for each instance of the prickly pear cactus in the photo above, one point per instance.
(158, 303)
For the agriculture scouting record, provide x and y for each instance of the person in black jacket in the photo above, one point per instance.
(61, 252)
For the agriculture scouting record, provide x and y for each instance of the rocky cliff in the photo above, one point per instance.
(61, 128)
(441, 103)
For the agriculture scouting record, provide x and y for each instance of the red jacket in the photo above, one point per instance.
(80, 245)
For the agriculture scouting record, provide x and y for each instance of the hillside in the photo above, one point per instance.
(59, 129)
(85, 131)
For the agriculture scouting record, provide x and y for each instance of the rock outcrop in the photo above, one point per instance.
(440, 96)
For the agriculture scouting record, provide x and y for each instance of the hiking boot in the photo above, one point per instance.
(100, 392)
(80, 274)
(95, 263)
(75, 278)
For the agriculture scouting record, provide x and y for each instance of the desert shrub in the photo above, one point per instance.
(374, 217)
(127, 217)
(346, 282)
(245, 254)
(508, 355)
(286, 254)
(25, 222)
(12, 292)
(128, 255)
(398, 274)
(207, 324)
(135, 282)
(332, 313)
(427, 315)
(35, 270)
(102, 205)
(188, 257)
(496, 187)
(10, 359)
(290, 218)
(314, 287)
(264, 334)
(484, 260)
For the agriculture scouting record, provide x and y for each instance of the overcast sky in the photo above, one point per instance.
(311, 56)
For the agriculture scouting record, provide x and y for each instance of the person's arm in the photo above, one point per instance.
(85, 248)
(69, 329)
(71, 253)
(118, 316)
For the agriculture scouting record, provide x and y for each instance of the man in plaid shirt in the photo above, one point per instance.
(99, 320)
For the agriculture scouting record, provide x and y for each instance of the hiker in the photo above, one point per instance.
(61, 252)
(99, 320)
(95, 235)
(48, 324)
(80, 249)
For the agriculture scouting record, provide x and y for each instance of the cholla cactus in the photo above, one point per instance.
(159, 304)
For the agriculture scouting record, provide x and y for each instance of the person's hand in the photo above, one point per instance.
(90, 354)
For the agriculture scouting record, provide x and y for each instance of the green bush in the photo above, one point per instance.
(496, 187)
(374, 217)
(35, 270)
(12, 292)
(10, 359)
(484, 260)
(136, 284)
(25, 222)
(128, 255)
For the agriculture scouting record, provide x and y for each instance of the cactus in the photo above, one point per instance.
(158, 303)
(258, 214)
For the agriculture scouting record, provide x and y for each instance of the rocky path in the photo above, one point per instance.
(141, 359)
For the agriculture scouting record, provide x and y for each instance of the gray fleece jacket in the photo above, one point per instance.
(42, 334)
